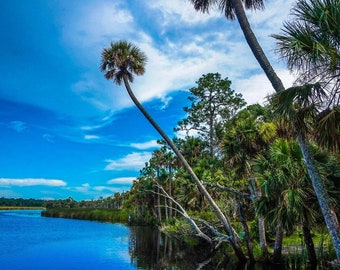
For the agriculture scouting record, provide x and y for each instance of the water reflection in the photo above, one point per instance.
(150, 249)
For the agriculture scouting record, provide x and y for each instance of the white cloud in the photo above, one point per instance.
(179, 11)
(145, 145)
(122, 180)
(256, 88)
(31, 182)
(102, 188)
(133, 161)
(176, 61)
(96, 22)
(84, 188)
(91, 137)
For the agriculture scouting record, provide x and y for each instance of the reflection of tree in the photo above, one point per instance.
(151, 249)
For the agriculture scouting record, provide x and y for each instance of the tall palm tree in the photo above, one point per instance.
(232, 9)
(310, 44)
(285, 184)
(120, 62)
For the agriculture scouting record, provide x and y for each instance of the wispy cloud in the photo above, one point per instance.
(18, 126)
(84, 188)
(91, 137)
(97, 21)
(32, 182)
(96, 191)
(145, 145)
(179, 11)
(122, 180)
(133, 161)
(48, 137)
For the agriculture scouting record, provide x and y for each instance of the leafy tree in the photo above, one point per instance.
(287, 193)
(232, 9)
(213, 103)
(120, 62)
(247, 135)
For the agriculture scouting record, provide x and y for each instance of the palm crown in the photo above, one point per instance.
(226, 6)
(122, 59)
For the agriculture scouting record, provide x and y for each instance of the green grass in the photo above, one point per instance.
(95, 214)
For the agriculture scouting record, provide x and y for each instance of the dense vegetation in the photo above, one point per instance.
(97, 214)
(275, 165)
(10, 203)
(254, 177)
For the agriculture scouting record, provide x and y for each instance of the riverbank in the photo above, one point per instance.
(21, 208)
(93, 214)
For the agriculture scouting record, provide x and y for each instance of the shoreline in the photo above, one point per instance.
(22, 208)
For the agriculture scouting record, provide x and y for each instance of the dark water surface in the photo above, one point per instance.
(29, 241)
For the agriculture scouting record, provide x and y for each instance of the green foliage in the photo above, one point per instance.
(268, 131)
(122, 59)
(213, 103)
(178, 227)
(104, 215)
(19, 202)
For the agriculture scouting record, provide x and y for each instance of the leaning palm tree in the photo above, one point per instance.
(232, 9)
(120, 62)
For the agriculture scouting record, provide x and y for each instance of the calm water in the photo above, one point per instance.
(29, 241)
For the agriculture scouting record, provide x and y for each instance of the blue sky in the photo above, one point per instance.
(65, 130)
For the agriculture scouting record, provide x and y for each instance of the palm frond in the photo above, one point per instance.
(122, 59)
(327, 129)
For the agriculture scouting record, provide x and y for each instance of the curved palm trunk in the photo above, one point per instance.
(326, 209)
(225, 222)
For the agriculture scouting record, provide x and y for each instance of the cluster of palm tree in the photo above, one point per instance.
(311, 44)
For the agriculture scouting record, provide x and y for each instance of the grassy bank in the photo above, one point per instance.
(21, 208)
(94, 214)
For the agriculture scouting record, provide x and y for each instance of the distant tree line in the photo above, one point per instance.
(21, 202)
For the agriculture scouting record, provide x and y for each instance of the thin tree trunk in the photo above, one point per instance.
(246, 232)
(323, 198)
(327, 211)
(225, 222)
(277, 254)
(308, 241)
(170, 191)
(257, 193)
(159, 199)
(262, 236)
